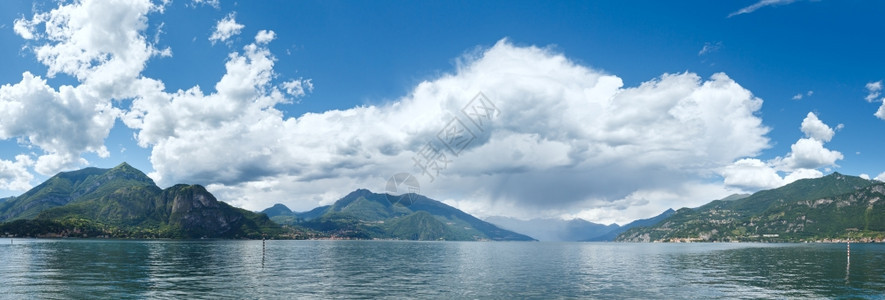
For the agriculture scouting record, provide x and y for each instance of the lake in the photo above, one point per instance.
(208, 269)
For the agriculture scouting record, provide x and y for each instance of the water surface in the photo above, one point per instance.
(72, 268)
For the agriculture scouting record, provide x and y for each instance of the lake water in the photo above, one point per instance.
(372, 269)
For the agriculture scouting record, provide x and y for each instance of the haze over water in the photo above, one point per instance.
(370, 269)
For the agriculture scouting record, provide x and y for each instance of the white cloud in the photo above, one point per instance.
(648, 203)
(751, 174)
(809, 152)
(814, 128)
(760, 4)
(799, 96)
(101, 45)
(569, 128)
(710, 48)
(576, 131)
(23, 28)
(880, 177)
(63, 123)
(802, 174)
(265, 36)
(226, 28)
(94, 40)
(298, 87)
(807, 155)
(212, 3)
(864, 176)
(14, 175)
(191, 125)
(874, 89)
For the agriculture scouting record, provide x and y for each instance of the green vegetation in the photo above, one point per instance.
(422, 225)
(832, 207)
(366, 215)
(124, 203)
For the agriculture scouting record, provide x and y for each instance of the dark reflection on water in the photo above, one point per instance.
(371, 269)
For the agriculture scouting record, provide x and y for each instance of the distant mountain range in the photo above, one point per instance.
(575, 230)
(124, 202)
(366, 215)
(835, 206)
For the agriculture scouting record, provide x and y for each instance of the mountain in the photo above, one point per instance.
(281, 214)
(556, 230)
(612, 235)
(735, 197)
(313, 213)
(575, 230)
(278, 210)
(831, 207)
(124, 202)
(366, 215)
(63, 188)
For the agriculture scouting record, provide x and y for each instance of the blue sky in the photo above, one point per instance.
(378, 80)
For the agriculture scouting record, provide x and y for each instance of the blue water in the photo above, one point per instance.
(118, 269)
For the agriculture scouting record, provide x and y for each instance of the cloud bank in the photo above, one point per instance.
(564, 139)
(568, 138)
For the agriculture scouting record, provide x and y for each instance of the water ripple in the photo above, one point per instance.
(116, 269)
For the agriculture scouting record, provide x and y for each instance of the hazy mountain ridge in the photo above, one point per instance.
(575, 230)
(556, 230)
(612, 235)
(835, 206)
(124, 202)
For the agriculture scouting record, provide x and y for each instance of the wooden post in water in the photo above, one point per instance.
(848, 261)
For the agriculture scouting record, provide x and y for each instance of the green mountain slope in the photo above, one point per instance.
(124, 202)
(366, 215)
(313, 213)
(834, 206)
(68, 187)
(281, 214)
(421, 225)
(278, 210)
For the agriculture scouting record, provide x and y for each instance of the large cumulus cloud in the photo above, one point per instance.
(565, 139)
